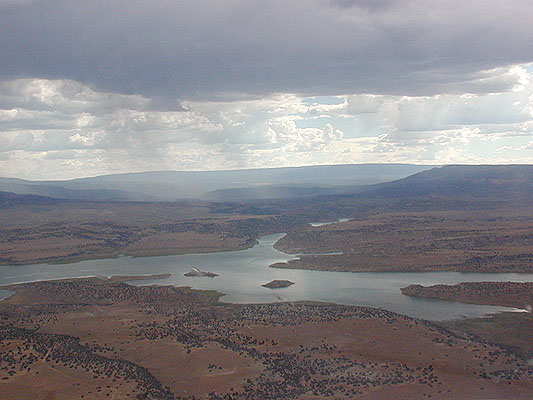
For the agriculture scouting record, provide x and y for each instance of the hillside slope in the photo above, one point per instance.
(499, 182)
(175, 185)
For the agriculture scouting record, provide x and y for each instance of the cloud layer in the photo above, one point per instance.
(61, 128)
(98, 87)
(191, 49)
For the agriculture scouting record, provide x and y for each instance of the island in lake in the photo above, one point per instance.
(198, 273)
(278, 284)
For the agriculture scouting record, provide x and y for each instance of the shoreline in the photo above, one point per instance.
(271, 240)
(129, 279)
(83, 328)
(325, 261)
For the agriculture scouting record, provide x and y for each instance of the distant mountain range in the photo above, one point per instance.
(458, 181)
(498, 182)
(232, 184)
(502, 182)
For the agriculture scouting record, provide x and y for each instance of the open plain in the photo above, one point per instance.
(102, 338)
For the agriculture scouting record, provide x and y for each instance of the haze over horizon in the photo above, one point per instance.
(104, 87)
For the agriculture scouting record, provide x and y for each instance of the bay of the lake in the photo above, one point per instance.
(241, 274)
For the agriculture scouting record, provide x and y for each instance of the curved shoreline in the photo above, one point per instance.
(242, 273)
(116, 321)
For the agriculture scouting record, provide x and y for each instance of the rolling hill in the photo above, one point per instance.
(498, 182)
(175, 185)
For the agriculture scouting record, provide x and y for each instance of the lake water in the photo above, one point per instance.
(243, 272)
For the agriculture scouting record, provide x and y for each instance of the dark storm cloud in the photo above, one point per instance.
(368, 4)
(212, 49)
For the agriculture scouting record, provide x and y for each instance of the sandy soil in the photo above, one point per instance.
(106, 339)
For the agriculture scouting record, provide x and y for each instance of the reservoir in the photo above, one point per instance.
(241, 274)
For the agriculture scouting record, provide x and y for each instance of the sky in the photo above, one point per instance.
(97, 87)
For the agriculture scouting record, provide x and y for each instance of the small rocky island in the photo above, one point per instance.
(278, 284)
(196, 272)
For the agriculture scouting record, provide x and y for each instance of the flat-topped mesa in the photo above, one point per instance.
(278, 284)
(198, 273)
